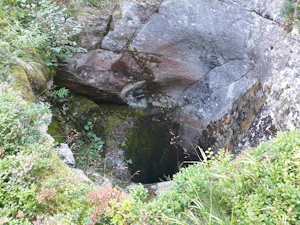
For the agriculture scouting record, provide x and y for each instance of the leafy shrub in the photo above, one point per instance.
(34, 184)
(30, 30)
(20, 121)
(261, 186)
(19, 137)
(51, 20)
(266, 187)
(112, 206)
(139, 193)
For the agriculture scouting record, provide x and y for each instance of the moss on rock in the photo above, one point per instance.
(29, 81)
(19, 81)
(111, 123)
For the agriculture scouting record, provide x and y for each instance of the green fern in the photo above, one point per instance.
(61, 93)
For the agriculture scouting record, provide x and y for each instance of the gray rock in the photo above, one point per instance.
(66, 155)
(213, 96)
(81, 175)
(218, 61)
(93, 30)
(133, 15)
(160, 187)
(92, 75)
(98, 179)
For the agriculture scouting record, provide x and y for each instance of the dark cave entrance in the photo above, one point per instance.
(153, 150)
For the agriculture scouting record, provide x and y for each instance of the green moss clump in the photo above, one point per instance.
(19, 80)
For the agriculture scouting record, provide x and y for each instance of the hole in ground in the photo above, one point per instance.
(152, 150)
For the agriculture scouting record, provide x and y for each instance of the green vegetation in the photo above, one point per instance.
(97, 3)
(61, 93)
(29, 31)
(260, 186)
(89, 149)
(291, 14)
(34, 184)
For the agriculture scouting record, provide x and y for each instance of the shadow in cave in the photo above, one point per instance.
(150, 149)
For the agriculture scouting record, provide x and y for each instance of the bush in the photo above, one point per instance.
(52, 21)
(20, 121)
(113, 206)
(139, 193)
(261, 186)
(34, 184)
(30, 30)
(20, 136)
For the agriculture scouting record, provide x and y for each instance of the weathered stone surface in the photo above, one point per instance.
(92, 75)
(66, 154)
(30, 81)
(94, 28)
(81, 175)
(220, 62)
(95, 21)
(161, 187)
(213, 96)
(133, 15)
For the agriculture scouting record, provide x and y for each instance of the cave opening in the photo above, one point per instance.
(153, 149)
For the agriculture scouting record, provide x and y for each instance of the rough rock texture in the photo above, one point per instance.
(135, 141)
(160, 187)
(92, 74)
(66, 154)
(81, 175)
(229, 68)
(94, 29)
(133, 16)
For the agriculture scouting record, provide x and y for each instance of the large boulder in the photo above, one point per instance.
(218, 63)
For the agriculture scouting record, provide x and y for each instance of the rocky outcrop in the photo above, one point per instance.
(65, 153)
(228, 67)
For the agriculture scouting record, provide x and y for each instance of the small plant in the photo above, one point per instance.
(97, 142)
(88, 126)
(291, 14)
(61, 93)
(97, 3)
(102, 200)
(117, 15)
(122, 144)
(139, 193)
(46, 194)
(89, 148)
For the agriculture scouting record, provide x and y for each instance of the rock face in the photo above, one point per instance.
(66, 154)
(228, 67)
